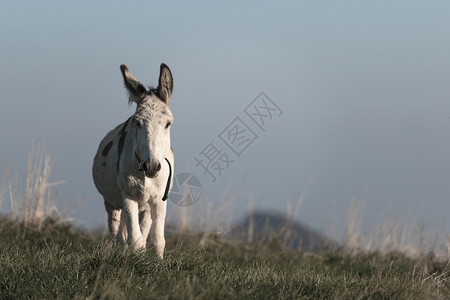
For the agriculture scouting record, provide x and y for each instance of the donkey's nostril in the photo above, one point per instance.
(151, 170)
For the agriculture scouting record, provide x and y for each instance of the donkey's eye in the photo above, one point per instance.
(168, 125)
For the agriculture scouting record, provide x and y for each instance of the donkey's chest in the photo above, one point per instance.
(142, 189)
(152, 190)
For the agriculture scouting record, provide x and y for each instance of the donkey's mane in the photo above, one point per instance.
(147, 108)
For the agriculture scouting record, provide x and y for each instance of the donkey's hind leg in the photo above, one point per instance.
(114, 220)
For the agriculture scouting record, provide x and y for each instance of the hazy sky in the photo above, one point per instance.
(363, 87)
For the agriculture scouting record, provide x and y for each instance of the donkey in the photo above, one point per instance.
(134, 163)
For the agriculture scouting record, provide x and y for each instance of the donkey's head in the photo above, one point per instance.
(152, 119)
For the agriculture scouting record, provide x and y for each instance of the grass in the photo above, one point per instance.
(30, 196)
(57, 261)
(46, 258)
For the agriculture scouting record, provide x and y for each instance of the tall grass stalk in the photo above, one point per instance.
(4, 186)
(31, 197)
(392, 234)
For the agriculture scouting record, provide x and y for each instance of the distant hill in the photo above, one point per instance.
(262, 227)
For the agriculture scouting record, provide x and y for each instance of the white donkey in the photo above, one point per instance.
(133, 166)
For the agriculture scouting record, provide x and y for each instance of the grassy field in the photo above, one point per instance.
(57, 261)
(41, 258)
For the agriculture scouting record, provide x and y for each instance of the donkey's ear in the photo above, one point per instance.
(165, 84)
(136, 90)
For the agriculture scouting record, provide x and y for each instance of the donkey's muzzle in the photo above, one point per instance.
(150, 169)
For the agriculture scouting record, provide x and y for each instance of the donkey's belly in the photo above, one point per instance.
(106, 183)
(104, 170)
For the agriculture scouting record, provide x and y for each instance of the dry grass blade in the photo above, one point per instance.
(31, 199)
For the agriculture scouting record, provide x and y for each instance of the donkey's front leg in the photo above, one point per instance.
(158, 213)
(145, 221)
(131, 212)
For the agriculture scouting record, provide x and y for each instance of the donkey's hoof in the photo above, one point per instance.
(138, 245)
